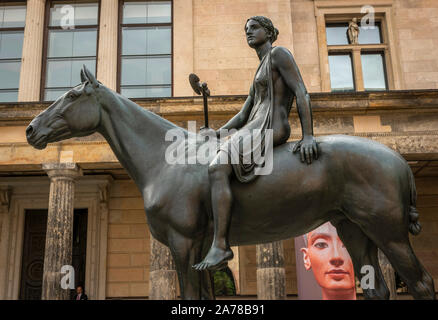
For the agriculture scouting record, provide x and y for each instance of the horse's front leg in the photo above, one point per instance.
(186, 252)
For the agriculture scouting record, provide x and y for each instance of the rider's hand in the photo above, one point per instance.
(308, 149)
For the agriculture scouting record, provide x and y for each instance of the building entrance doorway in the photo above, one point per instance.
(32, 265)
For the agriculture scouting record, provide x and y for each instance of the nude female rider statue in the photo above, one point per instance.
(276, 83)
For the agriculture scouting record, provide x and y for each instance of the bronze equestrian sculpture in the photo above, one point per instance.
(366, 190)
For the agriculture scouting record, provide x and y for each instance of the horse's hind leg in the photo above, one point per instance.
(389, 231)
(407, 265)
(363, 252)
(207, 285)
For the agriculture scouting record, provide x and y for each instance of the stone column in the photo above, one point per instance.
(108, 37)
(271, 275)
(162, 275)
(183, 47)
(388, 275)
(59, 236)
(5, 201)
(30, 74)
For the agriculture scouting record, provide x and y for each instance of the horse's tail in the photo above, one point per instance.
(414, 225)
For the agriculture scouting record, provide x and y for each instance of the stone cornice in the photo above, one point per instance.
(405, 101)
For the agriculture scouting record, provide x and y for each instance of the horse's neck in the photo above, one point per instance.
(136, 136)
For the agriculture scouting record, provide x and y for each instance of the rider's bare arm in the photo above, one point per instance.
(241, 117)
(283, 61)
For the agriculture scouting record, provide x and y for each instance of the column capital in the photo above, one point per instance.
(64, 170)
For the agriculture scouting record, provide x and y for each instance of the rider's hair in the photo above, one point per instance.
(267, 24)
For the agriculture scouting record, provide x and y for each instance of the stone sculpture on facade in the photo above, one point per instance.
(353, 31)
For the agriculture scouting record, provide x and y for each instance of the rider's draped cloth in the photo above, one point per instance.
(247, 147)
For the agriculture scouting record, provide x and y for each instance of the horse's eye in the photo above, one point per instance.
(71, 95)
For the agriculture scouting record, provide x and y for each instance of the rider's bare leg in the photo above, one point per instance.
(219, 172)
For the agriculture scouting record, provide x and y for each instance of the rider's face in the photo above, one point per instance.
(255, 34)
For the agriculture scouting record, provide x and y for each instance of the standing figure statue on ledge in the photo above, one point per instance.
(277, 82)
(353, 31)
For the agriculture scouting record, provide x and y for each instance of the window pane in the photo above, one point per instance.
(13, 16)
(11, 44)
(337, 34)
(58, 73)
(60, 43)
(86, 13)
(9, 74)
(71, 14)
(53, 94)
(134, 41)
(158, 70)
(133, 71)
(66, 73)
(134, 12)
(8, 96)
(341, 72)
(146, 92)
(159, 12)
(67, 43)
(373, 71)
(370, 35)
(152, 40)
(159, 40)
(150, 70)
(147, 12)
(76, 69)
(85, 43)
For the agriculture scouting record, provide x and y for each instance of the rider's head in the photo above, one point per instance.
(270, 32)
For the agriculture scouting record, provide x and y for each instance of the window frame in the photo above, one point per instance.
(120, 40)
(331, 11)
(356, 51)
(14, 29)
(349, 53)
(47, 28)
(385, 72)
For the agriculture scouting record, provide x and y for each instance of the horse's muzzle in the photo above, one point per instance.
(33, 139)
(29, 132)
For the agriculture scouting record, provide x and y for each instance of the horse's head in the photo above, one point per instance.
(74, 114)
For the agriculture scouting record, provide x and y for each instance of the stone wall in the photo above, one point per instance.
(305, 41)
(221, 55)
(425, 244)
(417, 30)
(128, 243)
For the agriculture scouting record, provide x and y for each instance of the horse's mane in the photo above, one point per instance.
(150, 115)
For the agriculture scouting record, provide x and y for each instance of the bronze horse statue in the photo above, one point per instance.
(366, 190)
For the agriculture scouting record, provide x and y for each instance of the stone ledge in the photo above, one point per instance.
(416, 101)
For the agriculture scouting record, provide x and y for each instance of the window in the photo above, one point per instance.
(145, 66)
(356, 64)
(12, 20)
(71, 41)
(341, 72)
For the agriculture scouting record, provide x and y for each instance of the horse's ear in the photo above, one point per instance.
(83, 76)
(90, 77)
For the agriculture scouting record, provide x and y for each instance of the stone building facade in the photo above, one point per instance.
(207, 38)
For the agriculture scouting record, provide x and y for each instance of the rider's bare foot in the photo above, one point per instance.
(216, 259)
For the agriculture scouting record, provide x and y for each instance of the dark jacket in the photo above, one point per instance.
(83, 297)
